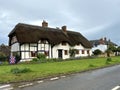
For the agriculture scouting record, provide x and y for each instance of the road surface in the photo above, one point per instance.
(101, 79)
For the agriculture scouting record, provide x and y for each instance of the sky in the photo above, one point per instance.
(94, 19)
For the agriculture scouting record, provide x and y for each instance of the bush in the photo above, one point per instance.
(35, 60)
(3, 57)
(91, 65)
(18, 58)
(41, 56)
(108, 60)
(72, 52)
(17, 70)
(97, 52)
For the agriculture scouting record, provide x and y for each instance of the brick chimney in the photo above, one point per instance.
(105, 39)
(44, 24)
(64, 28)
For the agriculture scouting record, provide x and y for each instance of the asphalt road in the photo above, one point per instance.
(102, 79)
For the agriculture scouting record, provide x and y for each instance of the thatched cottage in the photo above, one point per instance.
(29, 40)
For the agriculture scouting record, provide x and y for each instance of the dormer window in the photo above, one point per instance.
(78, 44)
(42, 41)
(64, 43)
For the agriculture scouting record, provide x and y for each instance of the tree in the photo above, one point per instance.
(3, 57)
(118, 50)
(97, 52)
(111, 48)
(72, 52)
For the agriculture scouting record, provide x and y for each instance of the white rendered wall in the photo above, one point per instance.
(25, 54)
(62, 47)
(68, 47)
(103, 48)
(15, 47)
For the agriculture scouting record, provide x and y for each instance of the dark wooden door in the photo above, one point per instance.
(59, 53)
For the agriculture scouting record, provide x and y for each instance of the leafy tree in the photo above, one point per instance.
(118, 49)
(112, 48)
(72, 52)
(3, 57)
(97, 52)
(18, 58)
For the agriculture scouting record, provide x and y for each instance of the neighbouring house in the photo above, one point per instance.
(29, 40)
(5, 49)
(101, 44)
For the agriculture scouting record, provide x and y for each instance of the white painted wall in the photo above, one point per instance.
(26, 54)
(24, 47)
(15, 47)
(62, 47)
(101, 47)
(80, 48)
(67, 47)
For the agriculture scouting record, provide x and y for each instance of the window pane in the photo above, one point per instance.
(83, 52)
(66, 52)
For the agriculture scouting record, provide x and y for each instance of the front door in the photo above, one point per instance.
(59, 53)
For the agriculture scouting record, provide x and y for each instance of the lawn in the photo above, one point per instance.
(43, 70)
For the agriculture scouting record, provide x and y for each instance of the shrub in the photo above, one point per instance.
(34, 59)
(72, 52)
(91, 65)
(108, 60)
(41, 56)
(97, 52)
(18, 58)
(3, 57)
(17, 70)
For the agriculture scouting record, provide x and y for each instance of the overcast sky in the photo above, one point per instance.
(92, 18)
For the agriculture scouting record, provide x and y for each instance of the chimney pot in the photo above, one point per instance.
(105, 38)
(64, 28)
(44, 24)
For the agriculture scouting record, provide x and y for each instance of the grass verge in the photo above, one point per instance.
(43, 70)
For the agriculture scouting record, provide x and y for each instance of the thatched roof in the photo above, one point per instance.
(32, 34)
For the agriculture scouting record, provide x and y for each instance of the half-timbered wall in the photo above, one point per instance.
(30, 50)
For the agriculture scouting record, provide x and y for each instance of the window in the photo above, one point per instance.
(66, 52)
(77, 51)
(33, 54)
(78, 44)
(64, 43)
(46, 53)
(88, 52)
(43, 41)
(83, 51)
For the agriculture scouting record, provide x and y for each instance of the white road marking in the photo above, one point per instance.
(54, 78)
(26, 85)
(115, 88)
(11, 88)
(63, 76)
(40, 81)
(4, 86)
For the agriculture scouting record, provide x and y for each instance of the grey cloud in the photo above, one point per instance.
(93, 18)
